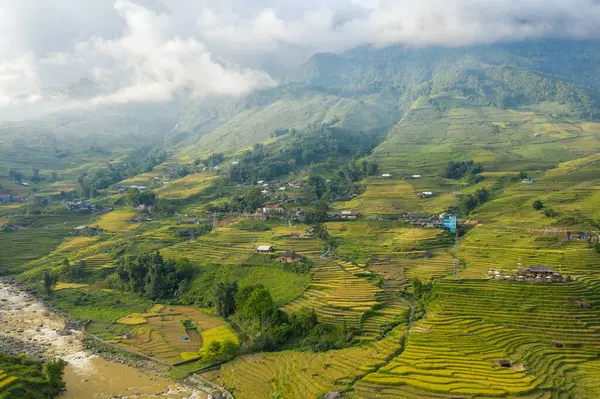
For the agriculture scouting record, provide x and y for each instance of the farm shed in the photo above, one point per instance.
(264, 248)
(349, 215)
(273, 208)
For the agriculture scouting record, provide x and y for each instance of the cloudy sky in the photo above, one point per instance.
(152, 50)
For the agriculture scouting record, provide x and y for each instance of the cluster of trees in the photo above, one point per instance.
(138, 161)
(458, 170)
(212, 160)
(282, 132)
(218, 352)
(266, 326)
(248, 200)
(17, 176)
(342, 184)
(538, 205)
(471, 201)
(35, 380)
(315, 144)
(73, 272)
(421, 293)
(137, 197)
(153, 277)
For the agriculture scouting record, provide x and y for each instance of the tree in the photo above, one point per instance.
(137, 197)
(49, 280)
(537, 205)
(15, 175)
(258, 306)
(304, 320)
(241, 297)
(53, 176)
(321, 210)
(35, 177)
(224, 298)
(522, 175)
(317, 185)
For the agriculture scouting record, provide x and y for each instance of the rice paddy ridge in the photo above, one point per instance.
(455, 350)
(338, 297)
(5, 380)
(306, 375)
(230, 245)
(480, 246)
(393, 310)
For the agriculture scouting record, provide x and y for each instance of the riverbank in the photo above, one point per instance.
(29, 327)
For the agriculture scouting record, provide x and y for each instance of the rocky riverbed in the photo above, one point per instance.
(27, 326)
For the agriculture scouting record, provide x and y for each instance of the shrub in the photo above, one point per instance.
(537, 205)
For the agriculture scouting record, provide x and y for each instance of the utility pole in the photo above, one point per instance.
(215, 222)
(456, 260)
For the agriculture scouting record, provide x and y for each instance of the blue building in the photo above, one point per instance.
(449, 223)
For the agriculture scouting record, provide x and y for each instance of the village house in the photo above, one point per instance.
(425, 194)
(81, 206)
(189, 221)
(273, 209)
(448, 222)
(289, 257)
(539, 273)
(386, 175)
(575, 236)
(85, 230)
(350, 215)
(140, 219)
(264, 249)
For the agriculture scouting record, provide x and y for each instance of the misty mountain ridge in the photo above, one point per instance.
(363, 89)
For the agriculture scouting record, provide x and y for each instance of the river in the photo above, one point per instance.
(27, 326)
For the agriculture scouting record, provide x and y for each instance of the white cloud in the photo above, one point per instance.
(153, 50)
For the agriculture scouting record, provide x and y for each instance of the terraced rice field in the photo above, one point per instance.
(338, 297)
(397, 196)
(186, 187)
(232, 246)
(100, 261)
(162, 335)
(5, 379)
(397, 253)
(480, 248)
(456, 350)
(117, 221)
(305, 375)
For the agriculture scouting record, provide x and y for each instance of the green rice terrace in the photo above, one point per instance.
(437, 240)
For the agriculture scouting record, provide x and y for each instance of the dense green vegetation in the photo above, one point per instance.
(21, 377)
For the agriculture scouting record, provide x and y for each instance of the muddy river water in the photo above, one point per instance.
(27, 327)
